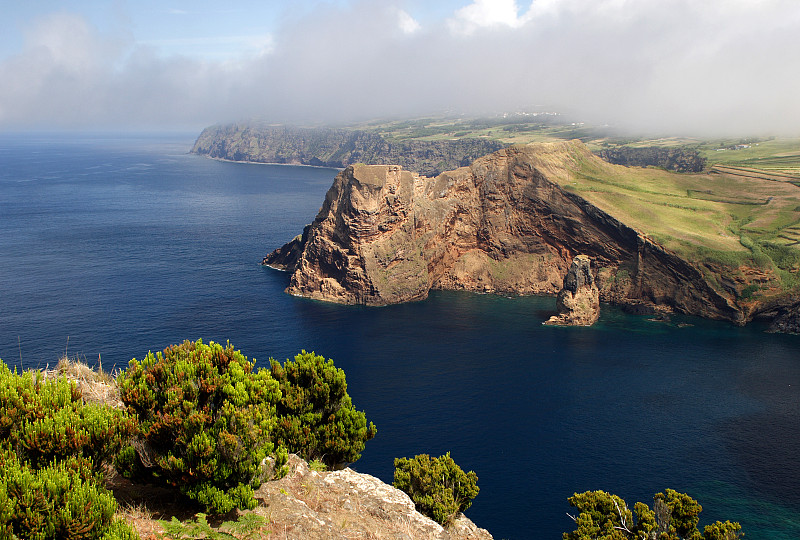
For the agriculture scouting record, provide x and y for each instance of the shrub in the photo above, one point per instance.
(205, 417)
(316, 417)
(42, 420)
(56, 501)
(439, 488)
(674, 516)
(248, 526)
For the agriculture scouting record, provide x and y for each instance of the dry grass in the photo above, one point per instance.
(96, 386)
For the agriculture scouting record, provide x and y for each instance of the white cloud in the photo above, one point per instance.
(406, 22)
(670, 65)
(486, 13)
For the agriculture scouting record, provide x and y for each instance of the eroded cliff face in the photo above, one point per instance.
(578, 301)
(503, 224)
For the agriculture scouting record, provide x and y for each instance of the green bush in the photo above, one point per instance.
(42, 420)
(439, 488)
(206, 416)
(248, 526)
(61, 500)
(316, 417)
(674, 516)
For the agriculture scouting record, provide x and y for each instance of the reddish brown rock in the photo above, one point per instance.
(504, 224)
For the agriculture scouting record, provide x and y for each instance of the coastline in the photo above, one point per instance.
(265, 162)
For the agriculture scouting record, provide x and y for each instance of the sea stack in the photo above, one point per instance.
(578, 301)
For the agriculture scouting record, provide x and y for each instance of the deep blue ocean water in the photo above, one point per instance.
(115, 245)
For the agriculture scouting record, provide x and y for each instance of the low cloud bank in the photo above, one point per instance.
(657, 66)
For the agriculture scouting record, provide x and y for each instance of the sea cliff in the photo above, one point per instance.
(506, 224)
(330, 147)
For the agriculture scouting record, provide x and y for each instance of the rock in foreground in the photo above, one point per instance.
(578, 301)
(346, 504)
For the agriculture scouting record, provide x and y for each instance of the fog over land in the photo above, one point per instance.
(705, 67)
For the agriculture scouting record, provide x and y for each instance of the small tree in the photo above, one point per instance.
(205, 417)
(316, 416)
(439, 488)
(674, 517)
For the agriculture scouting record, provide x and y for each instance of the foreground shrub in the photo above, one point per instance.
(249, 526)
(674, 516)
(44, 420)
(439, 488)
(61, 500)
(316, 417)
(205, 418)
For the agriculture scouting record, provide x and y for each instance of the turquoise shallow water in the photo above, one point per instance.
(116, 245)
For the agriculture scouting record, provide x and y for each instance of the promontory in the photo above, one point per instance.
(513, 221)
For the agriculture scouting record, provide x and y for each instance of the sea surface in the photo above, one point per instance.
(115, 245)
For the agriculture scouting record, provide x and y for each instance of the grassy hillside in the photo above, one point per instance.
(744, 219)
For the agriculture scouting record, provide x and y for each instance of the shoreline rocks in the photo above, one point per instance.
(578, 301)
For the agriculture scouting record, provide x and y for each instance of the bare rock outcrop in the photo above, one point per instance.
(578, 301)
(504, 224)
(345, 504)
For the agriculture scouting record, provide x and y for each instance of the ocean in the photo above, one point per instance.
(115, 245)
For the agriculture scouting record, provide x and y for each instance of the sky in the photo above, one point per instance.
(677, 67)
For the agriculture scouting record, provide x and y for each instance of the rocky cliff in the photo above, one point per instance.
(336, 147)
(578, 301)
(346, 504)
(503, 224)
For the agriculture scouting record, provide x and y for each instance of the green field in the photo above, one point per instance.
(780, 155)
(749, 223)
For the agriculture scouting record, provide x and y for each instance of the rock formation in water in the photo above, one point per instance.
(346, 504)
(504, 225)
(331, 147)
(578, 301)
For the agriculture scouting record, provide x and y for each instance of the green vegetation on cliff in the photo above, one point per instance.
(439, 488)
(55, 432)
(316, 417)
(674, 516)
(53, 450)
(745, 221)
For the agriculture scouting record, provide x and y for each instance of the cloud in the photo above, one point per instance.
(486, 13)
(676, 66)
(406, 22)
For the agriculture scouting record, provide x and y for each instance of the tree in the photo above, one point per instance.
(439, 488)
(316, 416)
(674, 516)
(206, 419)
